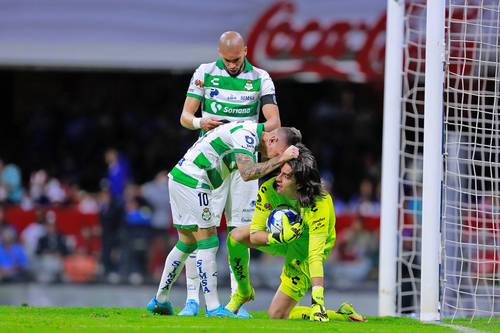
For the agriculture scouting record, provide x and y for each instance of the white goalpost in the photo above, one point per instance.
(440, 231)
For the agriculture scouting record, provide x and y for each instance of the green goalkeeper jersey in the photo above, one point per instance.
(318, 237)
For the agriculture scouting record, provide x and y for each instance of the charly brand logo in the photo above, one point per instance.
(215, 107)
(349, 49)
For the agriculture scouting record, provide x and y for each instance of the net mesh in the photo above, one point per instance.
(471, 182)
(470, 284)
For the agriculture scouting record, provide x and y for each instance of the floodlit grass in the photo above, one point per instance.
(82, 320)
(479, 324)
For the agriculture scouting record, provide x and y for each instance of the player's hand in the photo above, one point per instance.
(318, 310)
(289, 154)
(290, 231)
(208, 123)
(318, 313)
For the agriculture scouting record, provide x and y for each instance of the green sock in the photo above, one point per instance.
(239, 258)
(303, 312)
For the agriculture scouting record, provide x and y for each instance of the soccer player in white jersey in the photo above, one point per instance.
(192, 182)
(229, 89)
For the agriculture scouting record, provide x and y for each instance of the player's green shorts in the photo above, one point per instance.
(295, 279)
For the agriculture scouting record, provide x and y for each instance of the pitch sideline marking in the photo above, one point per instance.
(462, 329)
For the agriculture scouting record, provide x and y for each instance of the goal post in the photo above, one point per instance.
(390, 157)
(440, 222)
(433, 159)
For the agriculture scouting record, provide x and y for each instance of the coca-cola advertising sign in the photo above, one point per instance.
(349, 48)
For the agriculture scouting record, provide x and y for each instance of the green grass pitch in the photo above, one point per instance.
(82, 320)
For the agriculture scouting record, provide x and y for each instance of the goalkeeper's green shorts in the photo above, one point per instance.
(295, 278)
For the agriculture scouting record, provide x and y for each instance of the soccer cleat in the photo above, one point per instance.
(238, 300)
(156, 307)
(348, 310)
(243, 314)
(190, 309)
(220, 312)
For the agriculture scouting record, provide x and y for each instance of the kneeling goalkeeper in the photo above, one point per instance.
(305, 243)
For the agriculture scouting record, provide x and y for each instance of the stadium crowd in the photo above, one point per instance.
(56, 169)
(130, 231)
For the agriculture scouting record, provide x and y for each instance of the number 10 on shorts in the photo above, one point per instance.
(203, 199)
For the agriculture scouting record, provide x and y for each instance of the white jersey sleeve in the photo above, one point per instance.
(245, 142)
(267, 87)
(196, 86)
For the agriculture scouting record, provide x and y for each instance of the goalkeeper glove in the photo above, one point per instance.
(318, 311)
(290, 231)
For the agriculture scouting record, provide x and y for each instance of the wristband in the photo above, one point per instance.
(196, 123)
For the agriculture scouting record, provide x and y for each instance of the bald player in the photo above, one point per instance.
(228, 90)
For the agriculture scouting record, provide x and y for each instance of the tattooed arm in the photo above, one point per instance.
(250, 170)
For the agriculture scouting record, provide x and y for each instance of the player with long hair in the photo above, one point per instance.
(305, 243)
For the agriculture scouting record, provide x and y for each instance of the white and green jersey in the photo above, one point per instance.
(227, 97)
(211, 159)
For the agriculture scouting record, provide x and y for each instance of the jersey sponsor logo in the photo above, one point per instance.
(267, 205)
(237, 110)
(171, 276)
(214, 92)
(247, 98)
(198, 83)
(215, 81)
(215, 107)
(252, 203)
(232, 98)
(249, 139)
(238, 269)
(319, 223)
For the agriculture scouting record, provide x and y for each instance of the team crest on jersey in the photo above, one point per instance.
(206, 215)
(248, 85)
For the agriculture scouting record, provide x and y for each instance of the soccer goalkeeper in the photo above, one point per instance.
(305, 244)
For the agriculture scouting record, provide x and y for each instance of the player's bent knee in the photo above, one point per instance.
(241, 234)
(277, 314)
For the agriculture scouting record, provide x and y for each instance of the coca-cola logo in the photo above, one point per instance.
(343, 49)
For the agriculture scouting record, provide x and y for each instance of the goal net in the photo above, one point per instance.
(470, 189)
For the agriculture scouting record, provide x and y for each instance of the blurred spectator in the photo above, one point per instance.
(33, 232)
(118, 173)
(88, 204)
(110, 216)
(353, 248)
(156, 194)
(55, 192)
(50, 252)
(10, 181)
(80, 267)
(137, 232)
(38, 181)
(13, 259)
(365, 203)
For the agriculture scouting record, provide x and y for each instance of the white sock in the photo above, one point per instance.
(192, 278)
(207, 270)
(173, 266)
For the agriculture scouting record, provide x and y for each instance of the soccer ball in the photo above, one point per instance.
(274, 222)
